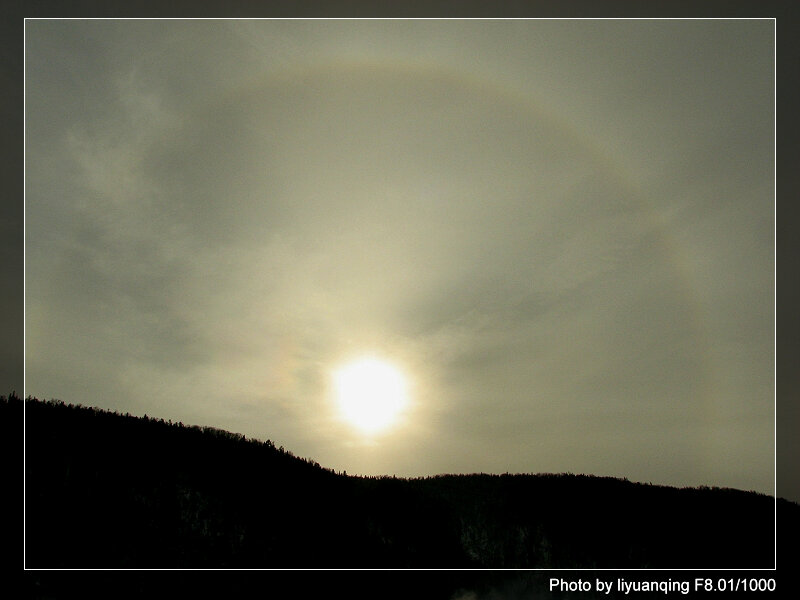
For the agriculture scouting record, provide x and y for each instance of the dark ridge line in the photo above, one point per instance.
(240, 437)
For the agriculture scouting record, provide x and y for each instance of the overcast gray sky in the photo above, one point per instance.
(562, 232)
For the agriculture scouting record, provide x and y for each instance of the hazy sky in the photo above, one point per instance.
(562, 232)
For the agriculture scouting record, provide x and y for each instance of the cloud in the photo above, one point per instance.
(559, 237)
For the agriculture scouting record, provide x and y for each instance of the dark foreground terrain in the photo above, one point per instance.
(110, 490)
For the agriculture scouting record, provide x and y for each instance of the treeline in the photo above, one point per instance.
(111, 490)
(76, 414)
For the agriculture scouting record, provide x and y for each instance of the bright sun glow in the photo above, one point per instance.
(370, 393)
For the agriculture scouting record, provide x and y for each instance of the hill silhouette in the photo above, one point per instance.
(105, 490)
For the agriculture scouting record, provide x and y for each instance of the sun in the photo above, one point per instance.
(370, 393)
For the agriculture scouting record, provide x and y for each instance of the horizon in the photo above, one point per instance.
(553, 239)
(276, 445)
(148, 493)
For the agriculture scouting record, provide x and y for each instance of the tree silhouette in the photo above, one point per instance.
(110, 490)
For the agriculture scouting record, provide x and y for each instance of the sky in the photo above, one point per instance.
(560, 231)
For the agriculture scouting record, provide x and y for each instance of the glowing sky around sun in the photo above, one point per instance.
(370, 393)
(560, 231)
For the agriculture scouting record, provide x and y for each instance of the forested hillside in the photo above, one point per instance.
(110, 490)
